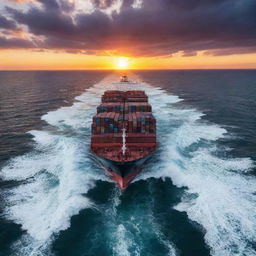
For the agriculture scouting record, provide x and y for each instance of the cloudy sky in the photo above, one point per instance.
(67, 34)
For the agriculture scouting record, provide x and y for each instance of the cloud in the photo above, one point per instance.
(22, 1)
(231, 51)
(14, 43)
(18, 1)
(7, 23)
(103, 4)
(157, 28)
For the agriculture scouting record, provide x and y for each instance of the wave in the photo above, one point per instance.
(56, 176)
(219, 196)
(131, 232)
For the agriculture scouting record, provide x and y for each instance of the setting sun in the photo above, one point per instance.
(122, 63)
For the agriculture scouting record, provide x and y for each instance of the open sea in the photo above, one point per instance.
(196, 197)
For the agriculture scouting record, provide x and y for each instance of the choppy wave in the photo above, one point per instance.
(54, 177)
(219, 196)
(58, 173)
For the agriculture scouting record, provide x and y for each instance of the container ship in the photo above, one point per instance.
(123, 133)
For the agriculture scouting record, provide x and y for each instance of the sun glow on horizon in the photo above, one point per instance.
(49, 60)
(122, 63)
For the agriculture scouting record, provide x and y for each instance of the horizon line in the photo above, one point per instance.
(127, 70)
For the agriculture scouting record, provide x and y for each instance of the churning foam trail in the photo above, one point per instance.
(219, 196)
(130, 233)
(55, 176)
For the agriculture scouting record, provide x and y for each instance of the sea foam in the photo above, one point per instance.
(219, 196)
(55, 176)
(58, 173)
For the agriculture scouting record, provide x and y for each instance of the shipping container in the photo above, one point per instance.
(129, 110)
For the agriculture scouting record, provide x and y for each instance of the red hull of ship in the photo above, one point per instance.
(123, 182)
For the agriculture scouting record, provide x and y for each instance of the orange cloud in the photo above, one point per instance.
(19, 33)
(22, 1)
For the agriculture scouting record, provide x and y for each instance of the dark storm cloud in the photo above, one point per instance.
(7, 23)
(228, 51)
(47, 22)
(160, 27)
(49, 4)
(103, 4)
(14, 43)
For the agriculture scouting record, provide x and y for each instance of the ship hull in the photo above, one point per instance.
(123, 172)
(123, 134)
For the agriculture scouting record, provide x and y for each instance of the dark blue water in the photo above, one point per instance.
(196, 196)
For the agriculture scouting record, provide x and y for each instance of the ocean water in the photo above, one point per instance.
(196, 197)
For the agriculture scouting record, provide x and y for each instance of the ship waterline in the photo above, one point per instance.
(122, 172)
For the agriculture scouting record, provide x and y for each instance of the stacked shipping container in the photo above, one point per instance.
(129, 110)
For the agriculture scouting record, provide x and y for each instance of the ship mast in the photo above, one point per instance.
(124, 131)
(124, 141)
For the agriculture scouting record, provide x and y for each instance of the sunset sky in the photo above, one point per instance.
(136, 34)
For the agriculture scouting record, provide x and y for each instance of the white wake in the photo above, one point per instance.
(220, 196)
(58, 173)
